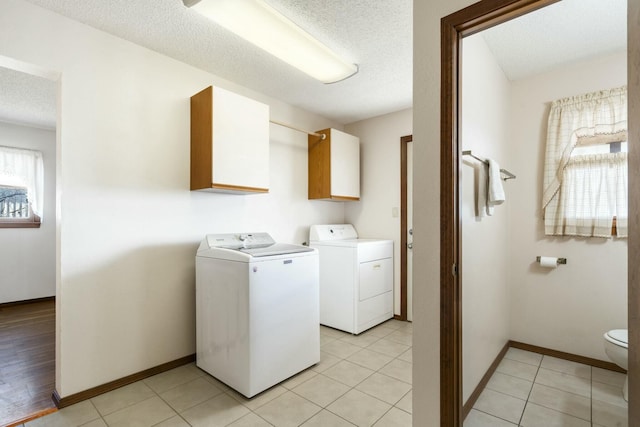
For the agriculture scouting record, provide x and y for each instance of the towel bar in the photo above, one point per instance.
(508, 174)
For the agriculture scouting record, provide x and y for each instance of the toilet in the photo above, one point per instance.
(616, 345)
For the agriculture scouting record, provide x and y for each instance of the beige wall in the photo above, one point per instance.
(372, 216)
(485, 241)
(571, 307)
(128, 225)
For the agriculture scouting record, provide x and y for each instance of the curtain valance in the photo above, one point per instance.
(583, 194)
(593, 118)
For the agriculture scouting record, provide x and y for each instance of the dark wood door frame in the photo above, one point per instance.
(454, 28)
(403, 226)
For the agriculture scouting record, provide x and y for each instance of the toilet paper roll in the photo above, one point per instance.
(548, 262)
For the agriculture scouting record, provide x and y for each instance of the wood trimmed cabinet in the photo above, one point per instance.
(229, 143)
(334, 166)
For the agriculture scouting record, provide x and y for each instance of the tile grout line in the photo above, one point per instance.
(338, 415)
(533, 382)
(591, 383)
(382, 416)
(369, 376)
(98, 412)
(493, 415)
(545, 385)
(352, 387)
(254, 413)
(393, 405)
(590, 420)
(174, 409)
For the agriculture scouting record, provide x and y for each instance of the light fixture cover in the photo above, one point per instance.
(262, 25)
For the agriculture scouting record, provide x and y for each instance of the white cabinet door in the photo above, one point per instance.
(229, 142)
(240, 141)
(345, 165)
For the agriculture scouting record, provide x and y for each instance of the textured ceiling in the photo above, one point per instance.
(27, 99)
(375, 34)
(562, 33)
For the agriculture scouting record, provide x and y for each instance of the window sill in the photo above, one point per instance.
(21, 223)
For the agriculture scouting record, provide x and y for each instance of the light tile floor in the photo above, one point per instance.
(532, 390)
(362, 380)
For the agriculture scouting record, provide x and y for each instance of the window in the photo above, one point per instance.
(21, 186)
(14, 202)
(585, 182)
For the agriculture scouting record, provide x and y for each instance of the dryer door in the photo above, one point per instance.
(376, 277)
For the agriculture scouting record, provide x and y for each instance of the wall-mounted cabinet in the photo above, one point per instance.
(229, 143)
(334, 166)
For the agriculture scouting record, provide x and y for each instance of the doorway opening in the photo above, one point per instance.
(29, 121)
(454, 28)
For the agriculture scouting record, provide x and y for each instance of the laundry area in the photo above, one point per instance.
(225, 229)
(260, 304)
(313, 319)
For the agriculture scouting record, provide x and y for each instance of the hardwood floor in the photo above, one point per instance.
(27, 359)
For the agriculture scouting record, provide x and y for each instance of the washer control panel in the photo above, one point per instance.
(240, 240)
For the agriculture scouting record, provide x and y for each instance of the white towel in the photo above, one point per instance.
(482, 187)
(496, 192)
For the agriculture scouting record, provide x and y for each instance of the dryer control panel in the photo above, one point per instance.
(319, 233)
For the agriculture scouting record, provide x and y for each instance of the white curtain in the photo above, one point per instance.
(593, 118)
(594, 190)
(24, 168)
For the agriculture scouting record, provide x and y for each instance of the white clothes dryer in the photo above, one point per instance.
(356, 278)
(257, 314)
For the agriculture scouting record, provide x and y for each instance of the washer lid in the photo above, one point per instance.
(244, 246)
(620, 335)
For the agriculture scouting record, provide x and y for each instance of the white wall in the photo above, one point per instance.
(128, 225)
(568, 308)
(426, 198)
(372, 216)
(485, 241)
(28, 255)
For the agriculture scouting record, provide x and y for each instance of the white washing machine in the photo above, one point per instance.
(257, 310)
(356, 278)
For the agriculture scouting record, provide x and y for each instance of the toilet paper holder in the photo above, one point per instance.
(560, 260)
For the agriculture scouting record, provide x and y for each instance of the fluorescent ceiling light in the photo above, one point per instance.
(262, 25)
